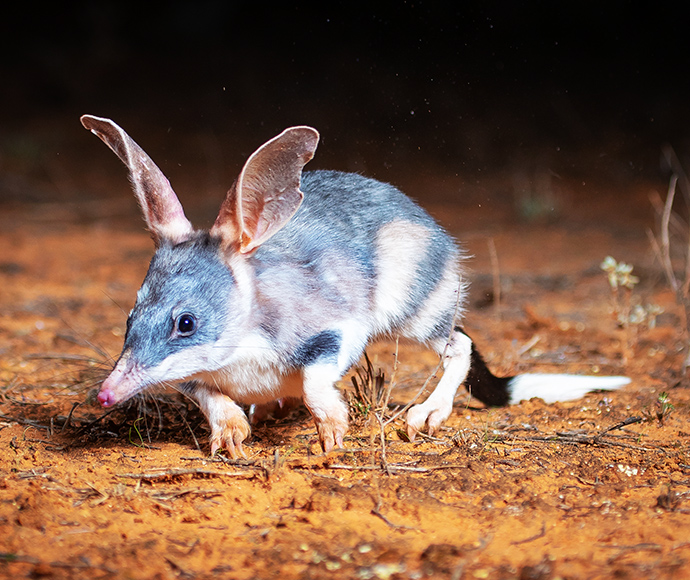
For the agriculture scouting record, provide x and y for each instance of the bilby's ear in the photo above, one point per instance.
(162, 210)
(267, 192)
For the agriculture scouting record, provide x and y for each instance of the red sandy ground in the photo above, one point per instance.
(531, 491)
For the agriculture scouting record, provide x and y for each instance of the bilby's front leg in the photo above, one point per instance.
(325, 404)
(229, 424)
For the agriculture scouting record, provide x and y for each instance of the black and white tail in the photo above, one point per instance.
(551, 387)
(464, 365)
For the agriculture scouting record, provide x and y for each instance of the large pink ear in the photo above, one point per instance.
(162, 210)
(267, 192)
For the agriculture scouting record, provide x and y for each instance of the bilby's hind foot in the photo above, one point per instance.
(433, 412)
(331, 432)
(277, 409)
(432, 416)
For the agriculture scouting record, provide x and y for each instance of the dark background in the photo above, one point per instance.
(395, 88)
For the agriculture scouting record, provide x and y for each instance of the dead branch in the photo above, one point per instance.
(573, 439)
(376, 512)
(665, 245)
(624, 423)
(173, 473)
(496, 274)
(662, 245)
(541, 534)
(393, 467)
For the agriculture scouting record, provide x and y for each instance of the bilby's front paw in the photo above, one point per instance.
(433, 416)
(228, 434)
(229, 425)
(331, 432)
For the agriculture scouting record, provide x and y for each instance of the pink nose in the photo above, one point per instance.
(106, 398)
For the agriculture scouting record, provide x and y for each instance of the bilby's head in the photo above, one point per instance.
(192, 304)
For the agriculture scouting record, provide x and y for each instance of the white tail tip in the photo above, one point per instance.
(555, 387)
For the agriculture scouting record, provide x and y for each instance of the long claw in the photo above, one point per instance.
(327, 444)
(229, 435)
(426, 415)
(331, 433)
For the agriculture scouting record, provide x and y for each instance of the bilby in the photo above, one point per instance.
(299, 272)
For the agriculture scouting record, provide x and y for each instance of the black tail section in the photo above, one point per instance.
(482, 384)
(499, 391)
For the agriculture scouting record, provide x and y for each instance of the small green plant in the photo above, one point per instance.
(621, 281)
(133, 440)
(662, 409)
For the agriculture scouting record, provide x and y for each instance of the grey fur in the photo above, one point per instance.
(350, 210)
(184, 278)
(337, 225)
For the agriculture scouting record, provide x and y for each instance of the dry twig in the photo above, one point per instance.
(173, 473)
(662, 244)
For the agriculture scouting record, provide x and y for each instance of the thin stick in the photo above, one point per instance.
(419, 392)
(382, 435)
(168, 473)
(541, 534)
(439, 366)
(625, 423)
(189, 427)
(682, 291)
(391, 381)
(377, 512)
(665, 239)
(686, 281)
(677, 169)
(392, 467)
(655, 247)
(576, 439)
(676, 224)
(496, 273)
(69, 417)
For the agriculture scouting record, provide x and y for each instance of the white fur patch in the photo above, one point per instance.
(252, 373)
(176, 228)
(443, 297)
(320, 394)
(400, 245)
(325, 404)
(560, 387)
(218, 408)
(354, 335)
(438, 407)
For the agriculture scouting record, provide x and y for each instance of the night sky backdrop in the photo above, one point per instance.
(473, 86)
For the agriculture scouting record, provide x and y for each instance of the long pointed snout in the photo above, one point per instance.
(123, 382)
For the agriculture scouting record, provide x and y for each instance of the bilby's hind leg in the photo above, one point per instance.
(457, 356)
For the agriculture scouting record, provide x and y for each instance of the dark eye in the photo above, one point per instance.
(186, 324)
